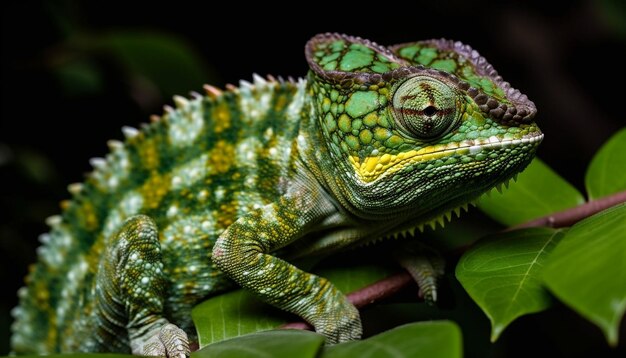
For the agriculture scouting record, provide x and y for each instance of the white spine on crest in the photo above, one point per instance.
(186, 123)
(130, 132)
(98, 163)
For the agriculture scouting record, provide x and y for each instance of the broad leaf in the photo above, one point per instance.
(502, 274)
(607, 171)
(277, 344)
(539, 191)
(233, 314)
(422, 339)
(237, 313)
(587, 270)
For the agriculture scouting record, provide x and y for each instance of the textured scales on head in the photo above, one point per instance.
(414, 123)
(375, 142)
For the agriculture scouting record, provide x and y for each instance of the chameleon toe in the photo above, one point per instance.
(169, 341)
(175, 341)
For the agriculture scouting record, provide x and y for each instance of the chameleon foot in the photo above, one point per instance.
(341, 323)
(168, 341)
(425, 265)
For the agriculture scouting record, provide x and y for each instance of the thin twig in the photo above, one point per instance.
(573, 215)
(380, 290)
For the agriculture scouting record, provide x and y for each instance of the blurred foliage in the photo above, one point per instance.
(615, 13)
(153, 65)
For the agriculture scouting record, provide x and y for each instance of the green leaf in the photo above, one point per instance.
(502, 274)
(277, 344)
(233, 314)
(239, 312)
(422, 339)
(587, 270)
(435, 339)
(606, 173)
(539, 191)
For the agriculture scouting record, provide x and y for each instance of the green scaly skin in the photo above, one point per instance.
(375, 141)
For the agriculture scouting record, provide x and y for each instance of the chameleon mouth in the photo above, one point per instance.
(372, 168)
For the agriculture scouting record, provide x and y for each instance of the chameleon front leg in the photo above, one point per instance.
(130, 292)
(243, 253)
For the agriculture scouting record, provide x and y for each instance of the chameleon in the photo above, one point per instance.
(225, 188)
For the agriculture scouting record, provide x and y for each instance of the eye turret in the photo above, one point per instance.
(425, 107)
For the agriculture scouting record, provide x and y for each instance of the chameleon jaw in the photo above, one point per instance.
(447, 216)
(439, 220)
(372, 168)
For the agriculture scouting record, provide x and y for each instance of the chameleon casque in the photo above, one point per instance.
(375, 141)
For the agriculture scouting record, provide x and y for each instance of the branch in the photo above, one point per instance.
(368, 295)
(573, 215)
(380, 290)
(389, 286)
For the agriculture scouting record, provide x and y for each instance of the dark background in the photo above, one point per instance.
(74, 72)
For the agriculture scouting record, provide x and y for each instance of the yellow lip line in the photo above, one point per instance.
(372, 168)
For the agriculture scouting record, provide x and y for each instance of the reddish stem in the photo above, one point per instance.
(573, 215)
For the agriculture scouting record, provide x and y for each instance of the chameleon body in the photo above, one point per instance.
(373, 142)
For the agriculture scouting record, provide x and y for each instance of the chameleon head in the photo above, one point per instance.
(415, 128)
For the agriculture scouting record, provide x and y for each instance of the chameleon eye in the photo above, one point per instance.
(425, 107)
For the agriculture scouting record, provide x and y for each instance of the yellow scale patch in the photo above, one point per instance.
(221, 113)
(150, 154)
(155, 189)
(226, 215)
(371, 168)
(222, 157)
(89, 216)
